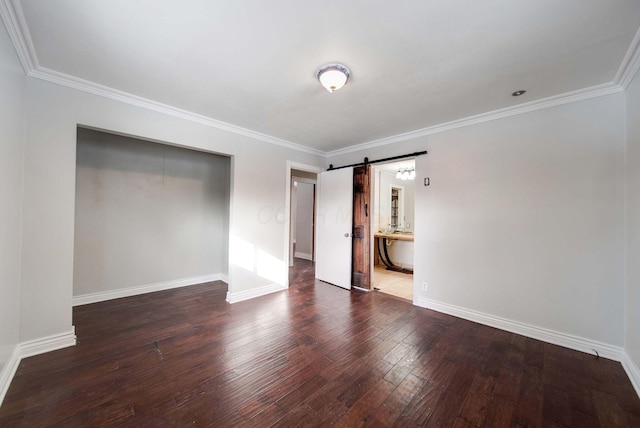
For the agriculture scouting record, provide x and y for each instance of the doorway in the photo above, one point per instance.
(303, 199)
(392, 227)
(305, 176)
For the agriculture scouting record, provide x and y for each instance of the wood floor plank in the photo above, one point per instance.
(476, 403)
(364, 409)
(267, 417)
(609, 410)
(499, 412)
(528, 412)
(395, 403)
(314, 355)
(508, 384)
(418, 411)
(447, 410)
(300, 394)
(302, 416)
(556, 406)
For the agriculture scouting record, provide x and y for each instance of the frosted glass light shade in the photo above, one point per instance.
(333, 76)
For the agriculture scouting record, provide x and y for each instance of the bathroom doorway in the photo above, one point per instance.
(393, 190)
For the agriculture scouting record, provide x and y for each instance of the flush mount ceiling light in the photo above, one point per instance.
(333, 76)
(518, 93)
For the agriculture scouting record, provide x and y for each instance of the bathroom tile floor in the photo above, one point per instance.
(395, 283)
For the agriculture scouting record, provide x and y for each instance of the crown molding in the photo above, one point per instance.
(62, 79)
(630, 63)
(13, 18)
(556, 100)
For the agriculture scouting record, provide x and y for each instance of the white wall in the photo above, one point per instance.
(304, 218)
(147, 213)
(524, 217)
(11, 161)
(258, 176)
(632, 322)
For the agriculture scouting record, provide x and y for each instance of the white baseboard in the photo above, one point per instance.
(8, 371)
(632, 371)
(48, 344)
(550, 336)
(303, 256)
(85, 299)
(253, 293)
(29, 349)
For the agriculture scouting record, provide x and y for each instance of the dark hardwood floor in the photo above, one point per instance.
(315, 355)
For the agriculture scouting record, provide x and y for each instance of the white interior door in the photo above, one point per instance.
(334, 222)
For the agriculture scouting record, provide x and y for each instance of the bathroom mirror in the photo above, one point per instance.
(394, 198)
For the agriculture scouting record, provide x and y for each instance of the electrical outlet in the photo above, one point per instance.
(425, 287)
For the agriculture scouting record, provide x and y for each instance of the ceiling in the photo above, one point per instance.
(252, 63)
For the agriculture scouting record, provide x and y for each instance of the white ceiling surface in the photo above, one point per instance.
(414, 64)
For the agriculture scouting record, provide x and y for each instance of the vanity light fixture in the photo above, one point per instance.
(406, 174)
(333, 76)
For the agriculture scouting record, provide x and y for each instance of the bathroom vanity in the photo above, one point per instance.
(382, 243)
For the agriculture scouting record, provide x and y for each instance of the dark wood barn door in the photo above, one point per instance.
(361, 274)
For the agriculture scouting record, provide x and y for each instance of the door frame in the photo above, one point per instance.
(288, 256)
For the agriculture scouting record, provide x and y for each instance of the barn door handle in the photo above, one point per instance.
(366, 210)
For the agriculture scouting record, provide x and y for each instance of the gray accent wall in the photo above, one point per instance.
(147, 213)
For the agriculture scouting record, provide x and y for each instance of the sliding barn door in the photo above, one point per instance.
(334, 223)
(361, 227)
